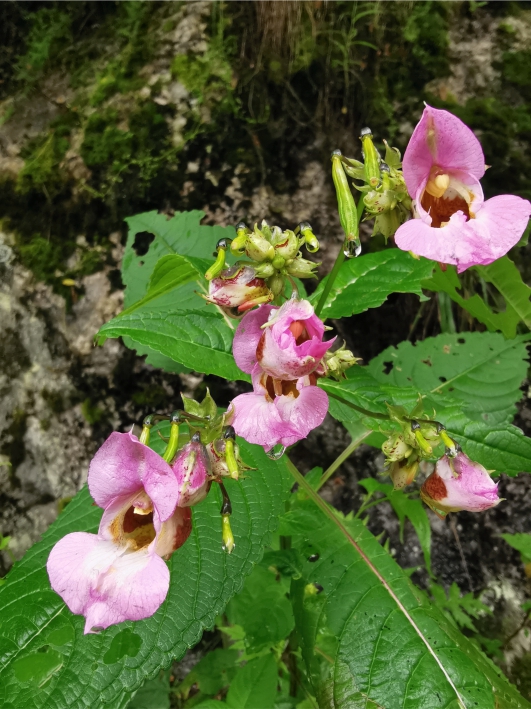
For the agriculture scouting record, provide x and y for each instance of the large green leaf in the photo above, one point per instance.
(366, 282)
(395, 649)
(47, 662)
(167, 279)
(255, 685)
(508, 280)
(200, 340)
(470, 380)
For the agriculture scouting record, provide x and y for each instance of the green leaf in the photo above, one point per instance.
(255, 685)
(213, 672)
(448, 282)
(396, 649)
(470, 380)
(153, 694)
(200, 340)
(366, 282)
(520, 542)
(508, 280)
(104, 670)
(168, 277)
(262, 610)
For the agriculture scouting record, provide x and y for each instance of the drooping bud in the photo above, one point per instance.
(403, 473)
(238, 287)
(348, 215)
(219, 264)
(419, 437)
(459, 484)
(371, 158)
(237, 246)
(193, 472)
(312, 243)
(227, 535)
(173, 443)
(146, 430)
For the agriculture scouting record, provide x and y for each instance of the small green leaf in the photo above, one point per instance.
(521, 542)
(366, 282)
(153, 694)
(508, 280)
(255, 685)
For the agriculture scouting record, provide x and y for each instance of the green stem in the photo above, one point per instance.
(360, 409)
(335, 519)
(337, 265)
(341, 459)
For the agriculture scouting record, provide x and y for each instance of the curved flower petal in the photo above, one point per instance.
(498, 226)
(173, 533)
(97, 579)
(248, 336)
(123, 466)
(292, 345)
(258, 421)
(436, 244)
(303, 413)
(441, 139)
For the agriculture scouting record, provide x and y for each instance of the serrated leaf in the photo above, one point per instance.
(93, 671)
(504, 275)
(521, 542)
(395, 648)
(448, 282)
(255, 685)
(182, 244)
(200, 340)
(153, 694)
(476, 402)
(366, 282)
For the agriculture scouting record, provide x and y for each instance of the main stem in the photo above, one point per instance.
(341, 459)
(360, 409)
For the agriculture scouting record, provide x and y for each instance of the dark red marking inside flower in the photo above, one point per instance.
(183, 530)
(441, 209)
(434, 487)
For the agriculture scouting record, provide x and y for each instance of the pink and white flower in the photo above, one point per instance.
(442, 166)
(119, 574)
(286, 342)
(278, 411)
(459, 484)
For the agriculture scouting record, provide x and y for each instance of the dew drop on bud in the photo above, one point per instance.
(366, 133)
(336, 152)
(276, 452)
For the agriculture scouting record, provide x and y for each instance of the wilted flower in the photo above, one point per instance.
(286, 342)
(459, 484)
(442, 167)
(278, 411)
(193, 472)
(403, 473)
(119, 574)
(238, 287)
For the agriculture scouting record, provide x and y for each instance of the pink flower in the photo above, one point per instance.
(459, 484)
(192, 469)
(286, 342)
(238, 287)
(442, 167)
(278, 411)
(119, 574)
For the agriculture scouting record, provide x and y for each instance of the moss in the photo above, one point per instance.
(91, 412)
(42, 257)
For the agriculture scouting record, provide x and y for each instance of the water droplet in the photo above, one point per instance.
(313, 557)
(276, 452)
(352, 249)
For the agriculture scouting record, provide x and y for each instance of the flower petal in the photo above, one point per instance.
(441, 139)
(258, 421)
(437, 244)
(248, 335)
(498, 226)
(173, 533)
(123, 466)
(303, 413)
(96, 579)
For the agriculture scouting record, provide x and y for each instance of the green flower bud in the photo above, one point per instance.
(395, 448)
(279, 262)
(348, 215)
(339, 361)
(302, 268)
(403, 473)
(288, 246)
(264, 270)
(371, 158)
(276, 285)
(259, 249)
(237, 246)
(219, 264)
(312, 243)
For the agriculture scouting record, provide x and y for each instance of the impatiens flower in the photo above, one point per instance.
(238, 287)
(286, 342)
(278, 411)
(192, 469)
(119, 574)
(442, 167)
(459, 484)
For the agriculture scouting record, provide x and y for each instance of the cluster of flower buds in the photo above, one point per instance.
(119, 574)
(457, 482)
(275, 256)
(382, 185)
